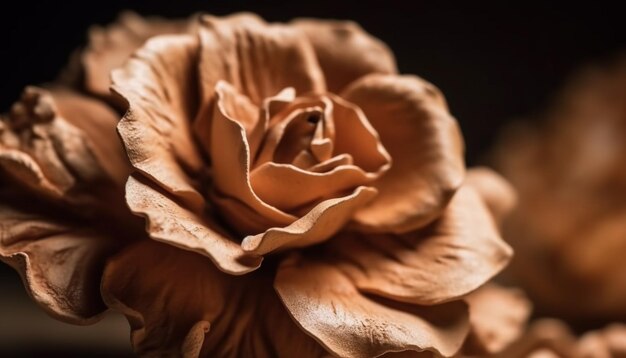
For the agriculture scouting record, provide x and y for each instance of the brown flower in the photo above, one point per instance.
(297, 144)
(254, 139)
(569, 231)
(62, 179)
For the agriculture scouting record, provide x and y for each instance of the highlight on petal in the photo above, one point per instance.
(345, 51)
(325, 302)
(54, 140)
(498, 317)
(167, 221)
(60, 262)
(159, 85)
(424, 141)
(495, 191)
(448, 259)
(179, 304)
(318, 225)
(109, 47)
(234, 48)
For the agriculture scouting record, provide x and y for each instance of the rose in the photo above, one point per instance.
(225, 124)
(569, 228)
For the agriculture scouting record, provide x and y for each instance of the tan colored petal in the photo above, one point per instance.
(325, 302)
(232, 167)
(168, 222)
(64, 146)
(109, 47)
(179, 304)
(236, 47)
(158, 84)
(498, 317)
(496, 191)
(544, 338)
(291, 180)
(425, 144)
(345, 51)
(318, 225)
(453, 256)
(59, 262)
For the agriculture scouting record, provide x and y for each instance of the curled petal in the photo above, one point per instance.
(450, 258)
(498, 317)
(109, 47)
(59, 262)
(325, 302)
(345, 51)
(318, 225)
(179, 304)
(158, 84)
(236, 47)
(424, 141)
(168, 222)
(56, 141)
(496, 191)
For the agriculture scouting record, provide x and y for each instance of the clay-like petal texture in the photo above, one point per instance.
(496, 191)
(425, 144)
(55, 141)
(318, 225)
(60, 263)
(159, 85)
(453, 256)
(179, 304)
(498, 317)
(168, 222)
(259, 59)
(345, 51)
(325, 302)
(109, 47)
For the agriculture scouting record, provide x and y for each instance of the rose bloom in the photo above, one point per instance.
(300, 197)
(569, 230)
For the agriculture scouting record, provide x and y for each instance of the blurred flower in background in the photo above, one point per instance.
(569, 229)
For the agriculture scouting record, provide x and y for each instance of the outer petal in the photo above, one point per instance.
(425, 145)
(53, 141)
(169, 222)
(258, 59)
(59, 262)
(445, 261)
(496, 191)
(498, 317)
(159, 85)
(330, 308)
(109, 47)
(345, 51)
(318, 225)
(178, 304)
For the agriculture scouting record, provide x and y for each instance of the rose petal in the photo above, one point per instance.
(455, 255)
(498, 317)
(318, 225)
(232, 167)
(329, 307)
(424, 141)
(60, 263)
(345, 51)
(158, 83)
(495, 191)
(109, 47)
(291, 181)
(168, 222)
(63, 146)
(236, 47)
(178, 304)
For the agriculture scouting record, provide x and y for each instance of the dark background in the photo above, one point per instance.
(494, 63)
